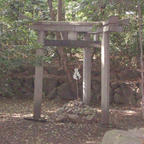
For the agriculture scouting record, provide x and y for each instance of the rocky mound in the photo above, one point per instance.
(76, 111)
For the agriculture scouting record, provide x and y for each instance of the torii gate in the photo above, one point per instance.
(73, 28)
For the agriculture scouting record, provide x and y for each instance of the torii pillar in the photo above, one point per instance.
(38, 83)
(112, 25)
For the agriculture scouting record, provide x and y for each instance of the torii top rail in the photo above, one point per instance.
(73, 28)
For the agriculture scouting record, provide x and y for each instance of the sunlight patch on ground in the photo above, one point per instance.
(28, 115)
(129, 112)
(124, 112)
(15, 115)
(51, 111)
(4, 117)
(98, 110)
(90, 142)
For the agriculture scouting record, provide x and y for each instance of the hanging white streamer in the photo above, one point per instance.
(76, 74)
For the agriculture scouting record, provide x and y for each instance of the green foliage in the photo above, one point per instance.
(18, 42)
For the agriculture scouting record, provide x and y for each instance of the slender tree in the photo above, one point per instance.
(63, 55)
(141, 57)
(52, 13)
(59, 36)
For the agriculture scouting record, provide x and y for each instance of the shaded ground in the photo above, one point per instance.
(15, 130)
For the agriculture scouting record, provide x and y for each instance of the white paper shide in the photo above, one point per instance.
(76, 74)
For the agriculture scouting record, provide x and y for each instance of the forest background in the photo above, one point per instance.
(18, 44)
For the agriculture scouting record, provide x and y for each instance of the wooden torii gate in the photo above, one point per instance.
(73, 28)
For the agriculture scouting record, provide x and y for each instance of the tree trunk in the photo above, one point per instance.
(60, 36)
(138, 62)
(52, 13)
(141, 58)
(53, 18)
(63, 55)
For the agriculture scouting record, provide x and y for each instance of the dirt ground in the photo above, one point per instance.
(14, 129)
